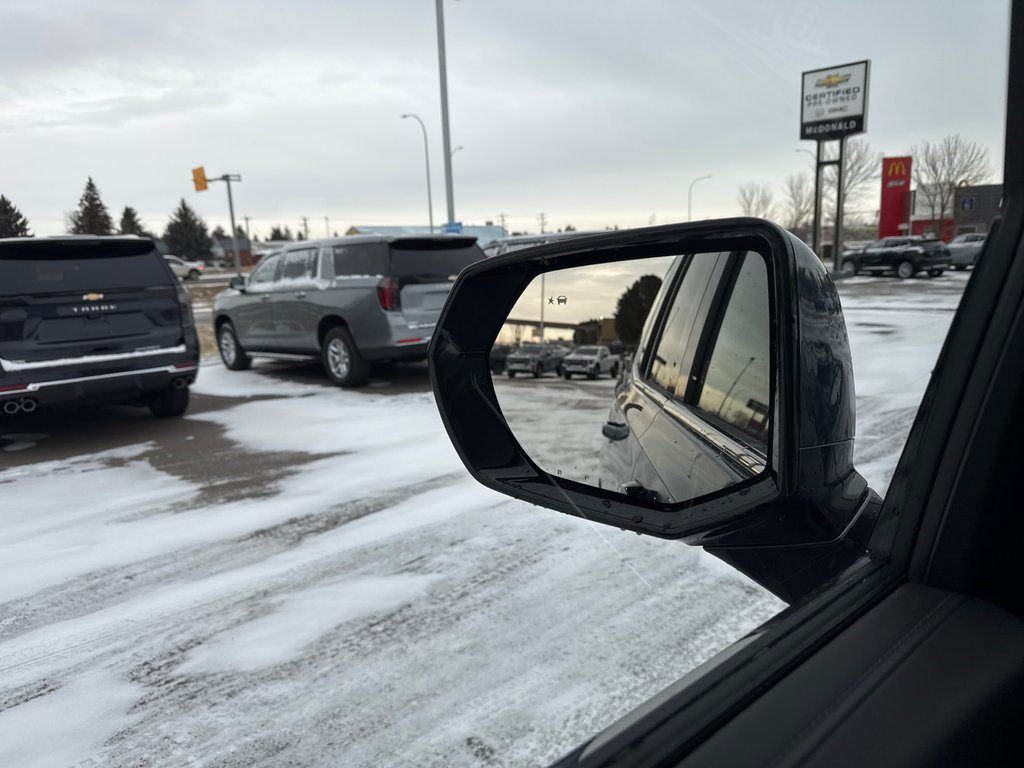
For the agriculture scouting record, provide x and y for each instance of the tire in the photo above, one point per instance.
(170, 403)
(850, 268)
(193, 274)
(593, 373)
(615, 371)
(960, 267)
(342, 361)
(537, 371)
(567, 376)
(511, 374)
(934, 273)
(230, 348)
(905, 270)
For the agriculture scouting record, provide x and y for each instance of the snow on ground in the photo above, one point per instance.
(369, 604)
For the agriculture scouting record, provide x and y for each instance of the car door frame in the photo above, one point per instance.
(296, 314)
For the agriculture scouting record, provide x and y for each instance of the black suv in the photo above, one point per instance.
(906, 256)
(350, 301)
(95, 320)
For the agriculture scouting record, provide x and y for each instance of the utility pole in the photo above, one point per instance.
(305, 226)
(543, 221)
(247, 237)
(446, 134)
(503, 219)
(327, 227)
(200, 180)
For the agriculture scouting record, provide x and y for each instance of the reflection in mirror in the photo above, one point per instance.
(648, 377)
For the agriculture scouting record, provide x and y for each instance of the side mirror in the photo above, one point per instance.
(732, 426)
(238, 283)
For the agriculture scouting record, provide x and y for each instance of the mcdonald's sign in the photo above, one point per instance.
(895, 186)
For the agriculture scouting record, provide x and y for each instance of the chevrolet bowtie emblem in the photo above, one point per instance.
(92, 296)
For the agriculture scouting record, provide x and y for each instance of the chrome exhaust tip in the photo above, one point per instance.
(29, 405)
(180, 383)
(11, 407)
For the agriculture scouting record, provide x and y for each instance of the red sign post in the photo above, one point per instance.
(895, 187)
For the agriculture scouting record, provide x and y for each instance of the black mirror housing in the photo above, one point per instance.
(809, 496)
(238, 283)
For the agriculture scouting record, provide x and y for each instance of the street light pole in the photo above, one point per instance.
(426, 155)
(689, 196)
(227, 178)
(444, 112)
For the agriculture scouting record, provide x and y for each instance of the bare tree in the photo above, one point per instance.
(798, 201)
(938, 168)
(862, 167)
(756, 200)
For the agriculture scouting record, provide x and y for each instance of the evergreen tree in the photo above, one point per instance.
(12, 222)
(130, 224)
(219, 233)
(92, 216)
(300, 236)
(186, 234)
(240, 233)
(633, 307)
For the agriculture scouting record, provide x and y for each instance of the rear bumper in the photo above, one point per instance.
(94, 387)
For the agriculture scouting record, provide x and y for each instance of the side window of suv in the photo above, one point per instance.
(359, 260)
(299, 266)
(675, 349)
(264, 275)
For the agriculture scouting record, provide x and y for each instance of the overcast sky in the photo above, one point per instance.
(597, 113)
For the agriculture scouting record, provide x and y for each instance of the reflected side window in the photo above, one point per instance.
(675, 349)
(736, 382)
(265, 273)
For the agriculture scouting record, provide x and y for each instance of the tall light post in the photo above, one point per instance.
(426, 154)
(446, 136)
(689, 196)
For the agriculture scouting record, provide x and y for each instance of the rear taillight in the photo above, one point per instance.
(185, 308)
(389, 294)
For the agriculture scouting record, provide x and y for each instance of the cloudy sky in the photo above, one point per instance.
(595, 112)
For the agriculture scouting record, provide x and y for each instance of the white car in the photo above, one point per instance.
(186, 270)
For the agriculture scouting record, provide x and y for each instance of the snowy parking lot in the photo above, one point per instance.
(300, 575)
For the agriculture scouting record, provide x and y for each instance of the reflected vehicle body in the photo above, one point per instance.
(183, 268)
(534, 360)
(965, 249)
(591, 361)
(519, 242)
(691, 415)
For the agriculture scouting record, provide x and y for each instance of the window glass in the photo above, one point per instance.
(299, 265)
(264, 273)
(736, 381)
(360, 260)
(674, 353)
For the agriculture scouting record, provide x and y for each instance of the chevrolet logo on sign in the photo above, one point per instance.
(92, 296)
(832, 81)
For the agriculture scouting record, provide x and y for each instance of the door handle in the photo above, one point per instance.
(300, 294)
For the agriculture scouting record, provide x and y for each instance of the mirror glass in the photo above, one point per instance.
(648, 377)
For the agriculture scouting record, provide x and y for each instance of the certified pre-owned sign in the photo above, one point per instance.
(834, 101)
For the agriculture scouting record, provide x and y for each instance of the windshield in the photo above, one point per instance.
(298, 568)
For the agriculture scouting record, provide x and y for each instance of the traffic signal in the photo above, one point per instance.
(199, 178)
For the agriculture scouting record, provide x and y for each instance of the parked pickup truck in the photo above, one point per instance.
(590, 361)
(534, 359)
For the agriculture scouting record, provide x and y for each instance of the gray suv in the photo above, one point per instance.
(351, 301)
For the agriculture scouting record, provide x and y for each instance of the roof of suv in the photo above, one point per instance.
(70, 239)
(459, 240)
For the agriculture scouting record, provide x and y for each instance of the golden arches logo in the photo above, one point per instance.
(897, 168)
